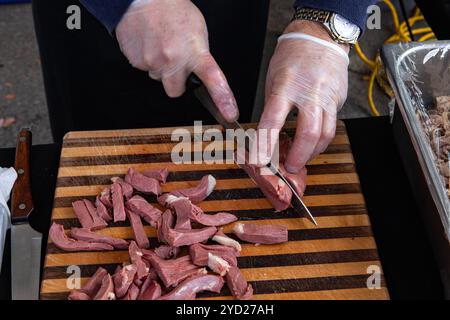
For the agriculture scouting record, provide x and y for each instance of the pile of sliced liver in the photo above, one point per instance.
(162, 272)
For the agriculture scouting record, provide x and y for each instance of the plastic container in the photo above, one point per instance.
(418, 74)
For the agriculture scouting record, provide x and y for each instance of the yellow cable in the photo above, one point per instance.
(370, 92)
(394, 16)
(427, 37)
(363, 57)
(401, 35)
(421, 30)
(412, 22)
(393, 13)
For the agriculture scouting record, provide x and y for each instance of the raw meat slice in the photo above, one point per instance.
(91, 286)
(211, 220)
(275, 189)
(139, 282)
(97, 221)
(82, 214)
(150, 290)
(102, 210)
(261, 234)
(118, 203)
(87, 215)
(138, 229)
(164, 225)
(160, 175)
(106, 291)
(178, 238)
(200, 192)
(187, 211)
(142, 183)
(298, 181)
(105, 197)
(223, 239)
(172, 272)
(127, 189)
(182, 209)
(217, 264)
(189, 288)
(149, 213)
(132, 294)
(78, 295)
(123, 278)
(59, 238)
(239, 287)
(167, 252)
(199, 254)
(89, 236)
(136, 255)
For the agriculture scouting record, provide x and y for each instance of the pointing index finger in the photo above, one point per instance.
(217, 85)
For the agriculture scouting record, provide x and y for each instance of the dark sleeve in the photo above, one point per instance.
(108, 12)
(353, 10)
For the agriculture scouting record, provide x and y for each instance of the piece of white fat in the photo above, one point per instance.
(171, 199)
(111, 296)
(105, 191)
(211, 185)
(238, 228)
(217, 264)
(226, 241)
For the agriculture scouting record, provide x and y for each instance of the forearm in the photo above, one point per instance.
(353, 10)
(108, 12)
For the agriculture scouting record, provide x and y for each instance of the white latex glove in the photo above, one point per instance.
(7, 179)
(169, 40)
(307, 72)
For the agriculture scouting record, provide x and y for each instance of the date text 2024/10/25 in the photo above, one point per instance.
(247, 309)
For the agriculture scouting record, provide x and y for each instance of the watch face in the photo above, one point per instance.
(344, 28)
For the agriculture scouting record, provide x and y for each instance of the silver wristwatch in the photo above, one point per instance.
(340, 29)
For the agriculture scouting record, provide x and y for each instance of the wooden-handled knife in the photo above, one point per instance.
(25, 241)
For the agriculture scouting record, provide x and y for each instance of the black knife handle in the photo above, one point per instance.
(21, 200)
(193, 82)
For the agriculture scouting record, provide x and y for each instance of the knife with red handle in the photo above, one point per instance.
(25, 241)
(21, 199)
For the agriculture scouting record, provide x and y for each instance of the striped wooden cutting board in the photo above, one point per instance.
(329, 261)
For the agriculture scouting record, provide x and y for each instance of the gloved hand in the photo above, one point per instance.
(169, 40)
(308, 71)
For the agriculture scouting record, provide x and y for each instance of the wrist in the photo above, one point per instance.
(315, 29)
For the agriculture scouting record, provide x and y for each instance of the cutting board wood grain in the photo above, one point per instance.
(328, 261)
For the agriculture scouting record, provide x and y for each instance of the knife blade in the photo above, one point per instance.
(202, 94)
(25, 241)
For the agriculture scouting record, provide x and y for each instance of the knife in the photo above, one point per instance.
(25, 241)
(202, 94)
